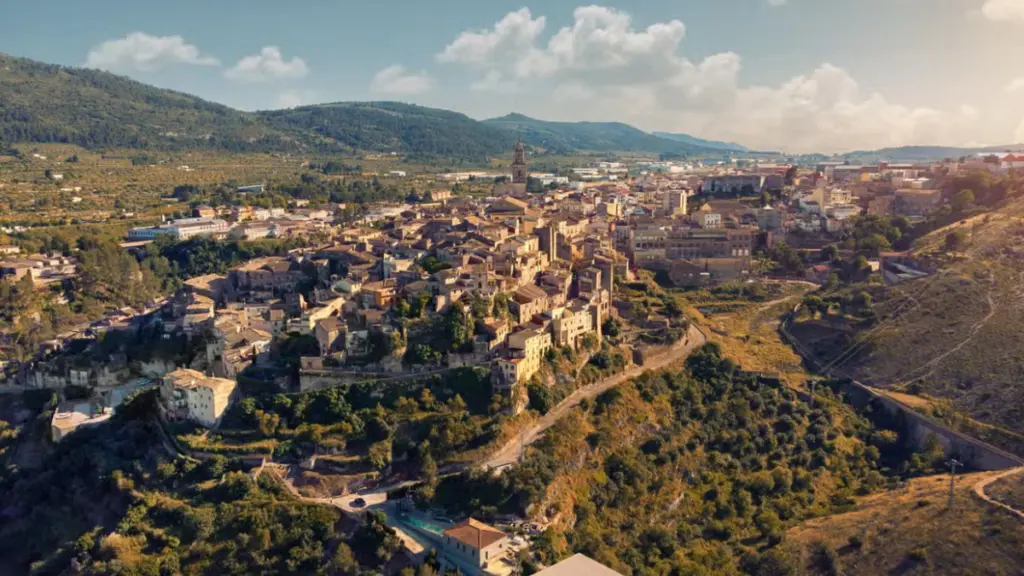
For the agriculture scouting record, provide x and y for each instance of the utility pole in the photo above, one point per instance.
(952, 463)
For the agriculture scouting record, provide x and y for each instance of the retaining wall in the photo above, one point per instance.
(974, 453)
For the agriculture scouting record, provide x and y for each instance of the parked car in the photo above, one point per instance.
(358, 503)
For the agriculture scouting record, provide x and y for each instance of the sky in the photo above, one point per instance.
(790, 75)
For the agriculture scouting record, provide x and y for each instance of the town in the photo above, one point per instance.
(494, 286)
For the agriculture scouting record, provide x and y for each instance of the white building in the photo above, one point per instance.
(181, 229)
(477, 543)
(709, 220)
(191, 395)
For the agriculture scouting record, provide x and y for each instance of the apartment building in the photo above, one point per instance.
(191, 395)
(526, 302)
(571, 323)
(526, 350)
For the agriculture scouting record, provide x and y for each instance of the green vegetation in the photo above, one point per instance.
(395, 127)
(115, 501)
(97, 110)
(47, 103)
(697, 471)
(563, 137)
(439, 416)
(950, 336)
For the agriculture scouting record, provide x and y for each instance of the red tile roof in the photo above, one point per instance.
(475, 534)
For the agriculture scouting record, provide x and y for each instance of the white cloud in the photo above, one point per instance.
(1003, 10)
(141, 51)
(289, 99)
(516, 31)
(1015, 85)
(267, 65)
(397, 81)
(602, 68)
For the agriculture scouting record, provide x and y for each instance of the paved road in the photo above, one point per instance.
(513, 451)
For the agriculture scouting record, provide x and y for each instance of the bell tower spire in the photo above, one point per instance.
(519, 168)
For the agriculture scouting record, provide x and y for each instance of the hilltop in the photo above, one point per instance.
(687, 139)
(924, 153)
(46, 103)
(393, 127)
(592, 136)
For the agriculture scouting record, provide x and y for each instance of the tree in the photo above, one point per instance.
(612, 327)
(832, 282)
(815, 304)
(862, 301)
(500, 308)
(829, 253)
(540, 398)
(963, 200)
(874, 244)
(956, 240)
(791, 174)
(458, 326)
(375, 542)
(380, 454)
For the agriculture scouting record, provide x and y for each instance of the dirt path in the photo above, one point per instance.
(934, 362)
(513, 451)
(979, 491)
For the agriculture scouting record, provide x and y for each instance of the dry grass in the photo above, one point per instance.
(511, 428)
(1009, 491)
(315, 485)
(910, 531)
(127, 549)
(957, 336)
(749, 336)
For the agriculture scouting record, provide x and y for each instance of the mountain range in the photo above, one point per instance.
(48, 103)
(700, 142)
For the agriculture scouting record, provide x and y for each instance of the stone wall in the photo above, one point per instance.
(918, 427)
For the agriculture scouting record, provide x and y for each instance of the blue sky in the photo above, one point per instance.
(797, 75)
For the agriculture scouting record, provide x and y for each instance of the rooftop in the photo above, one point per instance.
(188, 378)
(578, 565)
(475, 534)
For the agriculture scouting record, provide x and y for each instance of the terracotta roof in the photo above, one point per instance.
(578, 565)
(475, 534)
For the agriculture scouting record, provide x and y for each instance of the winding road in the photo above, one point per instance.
(513, 451)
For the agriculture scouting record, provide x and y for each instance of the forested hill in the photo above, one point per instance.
(48, 103)
(394, 127)
(593, 136)
(98, 110)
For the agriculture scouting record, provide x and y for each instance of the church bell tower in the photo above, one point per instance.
(519, 169)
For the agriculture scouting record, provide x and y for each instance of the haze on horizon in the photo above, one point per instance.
(791, 75)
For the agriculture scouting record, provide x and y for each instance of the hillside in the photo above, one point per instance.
(911, 531)
(697, 471)
(924, 153)
(954, 336)
(394, 127)
(693, 140)
(47, 103)
(113, 499)
(591, 136)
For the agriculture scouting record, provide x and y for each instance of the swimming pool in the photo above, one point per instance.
(425, 525)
